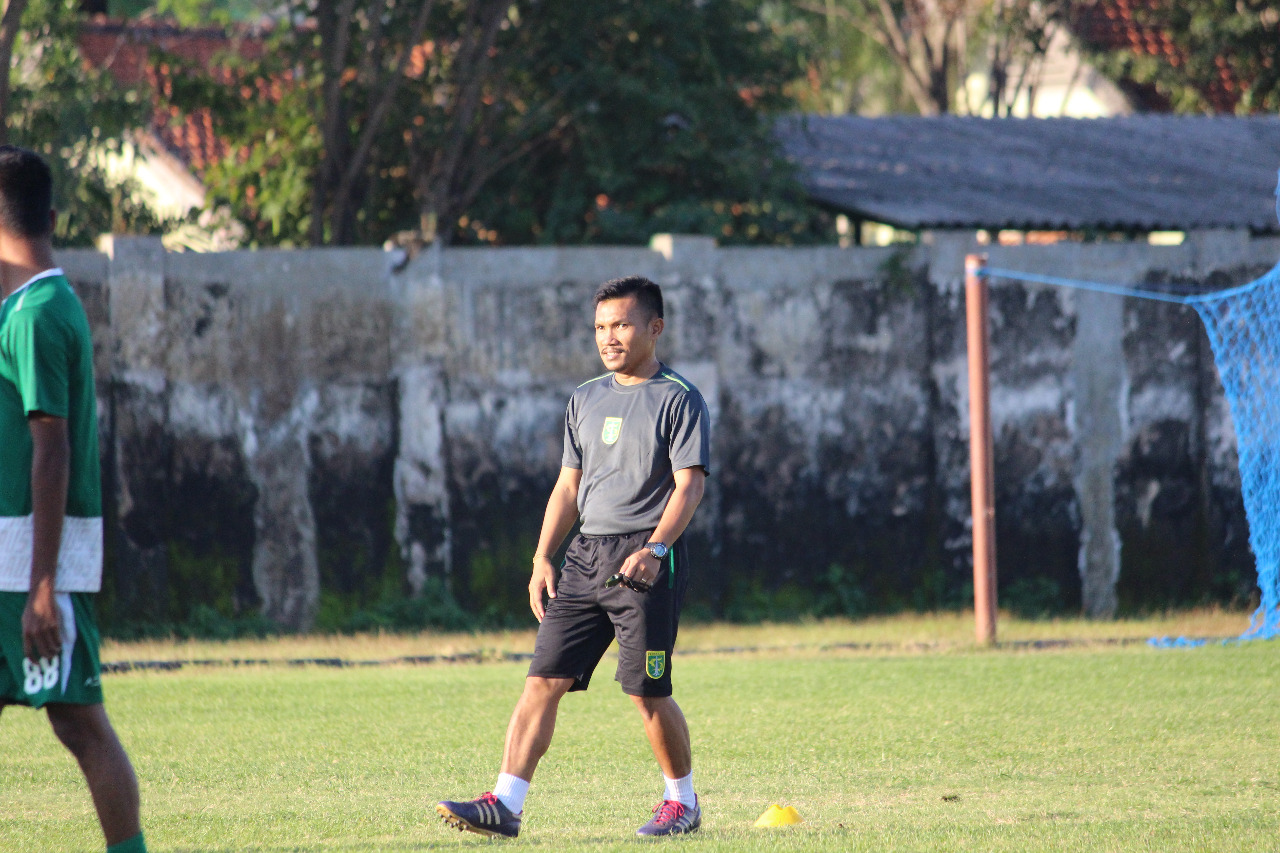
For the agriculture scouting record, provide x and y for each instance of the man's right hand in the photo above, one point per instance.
(544, 578)
(41, 625)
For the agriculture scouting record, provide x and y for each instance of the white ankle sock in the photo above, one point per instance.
(511, 791)
(682, 790)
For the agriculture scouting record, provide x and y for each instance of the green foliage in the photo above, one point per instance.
(77, 118)
(1033, 598)
(838, 592)
(667, 130)
(193, 13)
(91, 203)
(1230, 51)
(901, 279)
(436, 610)
(198, 600)
(839, 68)
(205, 622)
(197, 580)
(359, 567)
(603, 121)
(876, 57)
(268, 115)
(498, 577)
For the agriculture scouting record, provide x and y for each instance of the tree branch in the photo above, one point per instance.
(891, 34)
(334, 25)
(480, 175)
(474, 56)
(373, 124)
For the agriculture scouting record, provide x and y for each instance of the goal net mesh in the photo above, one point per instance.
(1244, 330)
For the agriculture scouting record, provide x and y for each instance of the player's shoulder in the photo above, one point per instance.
(47, 297)
(591, 386)
(595, 381)
(666, 383)
(587, 391)
(675, 384)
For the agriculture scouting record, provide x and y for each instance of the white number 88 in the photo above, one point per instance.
(40, 676)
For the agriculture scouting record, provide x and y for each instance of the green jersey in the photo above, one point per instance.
(46, 365)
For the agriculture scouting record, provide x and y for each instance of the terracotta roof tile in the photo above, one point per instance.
(126, 50)
(1108, 25)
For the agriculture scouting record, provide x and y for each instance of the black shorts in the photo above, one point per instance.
(585, 617)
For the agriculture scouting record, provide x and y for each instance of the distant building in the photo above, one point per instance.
(1064, 84)
(168, 157)
(1059, 84)
(1106, 25)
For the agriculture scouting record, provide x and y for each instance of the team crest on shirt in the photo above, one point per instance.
(655, 664)
(612, 429)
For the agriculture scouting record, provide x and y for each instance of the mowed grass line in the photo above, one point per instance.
(908, 633)
(1094, 748)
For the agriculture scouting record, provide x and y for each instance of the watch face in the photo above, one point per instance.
(658, 550)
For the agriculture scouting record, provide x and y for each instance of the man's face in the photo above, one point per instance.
(626, 334)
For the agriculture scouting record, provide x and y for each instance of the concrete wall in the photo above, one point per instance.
(286, 430)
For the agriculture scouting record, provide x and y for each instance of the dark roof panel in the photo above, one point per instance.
(1143, 173)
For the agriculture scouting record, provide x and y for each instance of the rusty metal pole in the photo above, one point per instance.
(981, 463)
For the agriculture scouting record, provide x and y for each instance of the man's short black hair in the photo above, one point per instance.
(648, 295)
(26, 193)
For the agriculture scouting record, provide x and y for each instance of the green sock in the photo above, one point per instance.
(131, 845)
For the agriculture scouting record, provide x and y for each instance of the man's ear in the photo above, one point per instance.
(656, 325)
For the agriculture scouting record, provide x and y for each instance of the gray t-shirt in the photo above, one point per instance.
(629, 440)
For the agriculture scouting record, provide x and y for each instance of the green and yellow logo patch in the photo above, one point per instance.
(612, 429)
(655, 664)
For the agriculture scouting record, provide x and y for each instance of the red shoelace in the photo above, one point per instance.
(669, 811)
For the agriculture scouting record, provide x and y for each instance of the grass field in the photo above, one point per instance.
(889, 735)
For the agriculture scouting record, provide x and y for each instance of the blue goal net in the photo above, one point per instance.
(1243, 324)
(1244, 329)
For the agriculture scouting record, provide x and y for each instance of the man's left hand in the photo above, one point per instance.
(641, 566)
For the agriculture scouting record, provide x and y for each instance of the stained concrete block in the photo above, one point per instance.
(1099, 409)
(289, 387)
(422, 526)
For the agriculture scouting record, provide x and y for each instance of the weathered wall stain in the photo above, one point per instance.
(294, 432)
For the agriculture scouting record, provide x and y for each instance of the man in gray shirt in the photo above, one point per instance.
(636, 455)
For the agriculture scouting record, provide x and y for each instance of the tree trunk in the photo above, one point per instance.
(919, 43)
(447, 169)
(333, 21)
(338, 186)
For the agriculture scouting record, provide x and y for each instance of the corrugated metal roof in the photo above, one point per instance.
(1141, 173)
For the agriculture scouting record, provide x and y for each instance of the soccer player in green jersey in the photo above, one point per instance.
(51, 500)
(636, 454)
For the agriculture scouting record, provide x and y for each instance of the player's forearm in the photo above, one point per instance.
(50, 467)
(562, 512)
(680, 509)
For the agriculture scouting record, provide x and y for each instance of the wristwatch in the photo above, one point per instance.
(657, 549)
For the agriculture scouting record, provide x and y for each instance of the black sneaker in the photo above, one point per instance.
(485, 816)
(671, 817)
